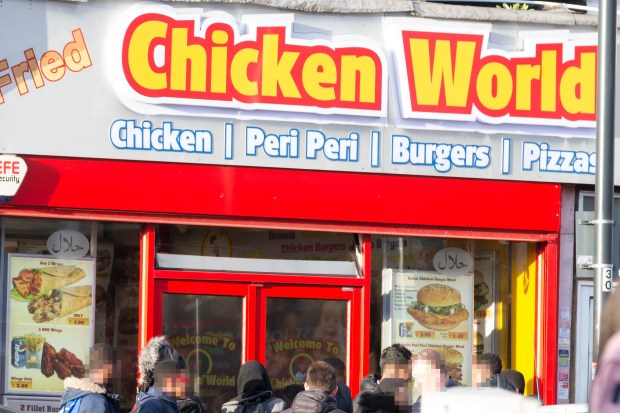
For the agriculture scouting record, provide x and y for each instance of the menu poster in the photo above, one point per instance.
(484, 299)
(49, 329)
(425, 309)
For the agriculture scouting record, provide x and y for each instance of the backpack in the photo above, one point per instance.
(72, 406)
(605, 395)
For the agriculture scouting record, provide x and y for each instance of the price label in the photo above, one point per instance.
(457, 336)
(482, 313)
(79, 321)
(425, 334)
(22, 385)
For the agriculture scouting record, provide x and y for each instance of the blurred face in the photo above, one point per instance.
(427, 376)
(103, 374)
(480, 373)
(177, 385)
(396, 371)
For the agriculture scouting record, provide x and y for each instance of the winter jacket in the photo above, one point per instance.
(260, 403)
(343, 398)
(313, 401)
(379, 398)
(254, 392)
(501, 382)
(155, 401)
(95, 399)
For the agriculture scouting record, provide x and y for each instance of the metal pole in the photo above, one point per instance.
(604, 192)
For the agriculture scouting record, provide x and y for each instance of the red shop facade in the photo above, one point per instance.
(282, 229)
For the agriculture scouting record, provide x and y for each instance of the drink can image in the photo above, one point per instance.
(18, 352)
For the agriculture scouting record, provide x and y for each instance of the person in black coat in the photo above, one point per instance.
(254, 393)
(391, 393)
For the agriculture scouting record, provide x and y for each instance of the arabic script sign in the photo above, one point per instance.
(67, 244)
(454, 261)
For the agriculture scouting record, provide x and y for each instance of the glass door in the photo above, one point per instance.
(206, 323)
(304, 324)
(218, 326)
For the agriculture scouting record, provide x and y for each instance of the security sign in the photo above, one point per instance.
(12, 173)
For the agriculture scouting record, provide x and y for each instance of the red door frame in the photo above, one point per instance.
(351, 294)
(257, 291)
(155, 192)
(199, 287)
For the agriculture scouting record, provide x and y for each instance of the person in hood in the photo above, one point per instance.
(89, 395)
(254, 394)
(170, 383)
(158, 349)
(320, 390)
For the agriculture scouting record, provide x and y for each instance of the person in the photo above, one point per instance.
(391, 392)
(343, 396)
(604, 396)
(170, 382)
(156, 350)
(516, 378)
(486, 372)
(320, 389)
(254, 394)
(89, 395)
(429, 373)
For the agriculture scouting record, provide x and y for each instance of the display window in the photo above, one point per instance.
(459, 297)
(68, 284)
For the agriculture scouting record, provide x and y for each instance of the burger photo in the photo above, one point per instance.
(481, 290)
(454, 362)
(438, 307)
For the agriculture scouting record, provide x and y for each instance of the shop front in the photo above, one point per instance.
(225, 287)
(284, 187)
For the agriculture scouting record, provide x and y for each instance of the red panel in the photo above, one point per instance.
(365, 311)
(550, 323)
(263, 193)
(147, 286)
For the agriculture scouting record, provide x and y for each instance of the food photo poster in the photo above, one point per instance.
(51, 322)
(426, 309)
